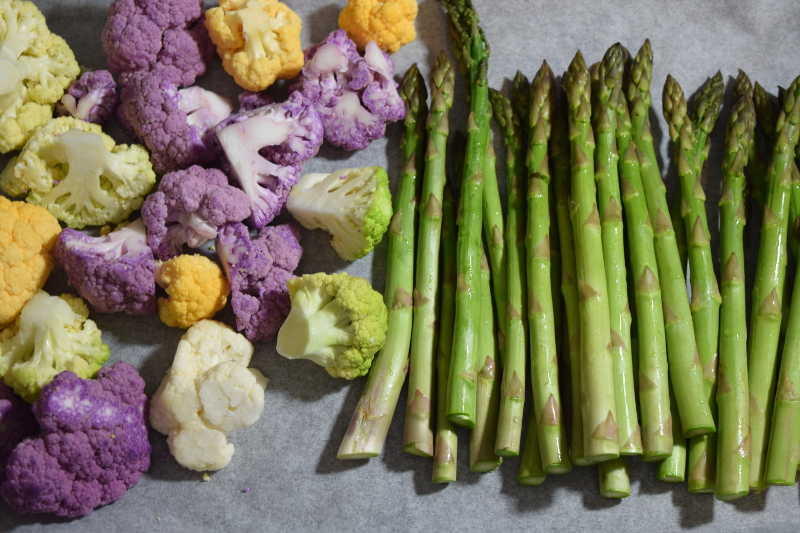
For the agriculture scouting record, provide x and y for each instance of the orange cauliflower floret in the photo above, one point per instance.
(28, 234)
(196, 287)
(389, 23)
(257, 40)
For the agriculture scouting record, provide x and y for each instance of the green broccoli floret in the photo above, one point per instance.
(354, 205)
(337, 320)
(51, 334)
(77, 172)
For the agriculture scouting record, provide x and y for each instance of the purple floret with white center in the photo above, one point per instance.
(257, 271)
(355, 96)
(168, 36)
(188, 208)
(264, 149)
(92, 97)
(115, 273)
(175, 125)
(16, 423)
(92, 449)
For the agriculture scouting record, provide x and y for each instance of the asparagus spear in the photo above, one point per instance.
(673, 468)
(544, 360)
(373, 415)
(654, 403)
(769, 282)
(614, 479)
(705, 292)
(560, 150)
(473, 51)
(782, 459)
(707, 105)
(446, 443)
(608, 96)
(418, 433)
(482, 457)
(733, 458)
(685, 369)
(508, 433)
(600, 433)
(766, 117)
(493, 230)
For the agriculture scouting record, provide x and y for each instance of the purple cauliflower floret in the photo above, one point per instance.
(167, 36)
(92, 97)
(175, 125)
(264, 149)
(114, 273)
(257, 271)
(92, 449)
(249, 100)
(355, 96)
(16, 423)
(188, 208)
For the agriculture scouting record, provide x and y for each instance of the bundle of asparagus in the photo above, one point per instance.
(587, 250)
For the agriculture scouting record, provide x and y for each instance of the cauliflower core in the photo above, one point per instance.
(208, 392)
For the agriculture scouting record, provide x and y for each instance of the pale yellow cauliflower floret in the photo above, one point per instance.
(197, 289)
(390, 23)
(208, 392)
(28, 234)
(257, 40)
(36, 66)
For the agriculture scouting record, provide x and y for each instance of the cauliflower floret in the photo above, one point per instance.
(389, 23)
(257, 40)
(35, 68)
(337, 320)
(196, 287)
(28, 234)
(208, 392)
(75, 171)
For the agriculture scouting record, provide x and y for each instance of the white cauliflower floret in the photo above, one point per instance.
(208, 392)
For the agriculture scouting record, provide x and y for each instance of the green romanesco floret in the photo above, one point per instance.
(354, 205)
(337, 320)
(77, 172)
(36, 66)
(50, 335)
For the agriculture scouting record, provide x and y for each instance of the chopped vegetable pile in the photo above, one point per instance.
(579, 292)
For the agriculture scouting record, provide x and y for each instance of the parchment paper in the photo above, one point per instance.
(287, 460)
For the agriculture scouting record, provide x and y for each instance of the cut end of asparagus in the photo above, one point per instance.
(420, 449)
(655, 458)
(357, 455)
(699, 431)
(558, 468)
(729, 497)
(671, 478)
(484, 466)
(614, 494)
(507, 452)
(530, 481)
(462, 420)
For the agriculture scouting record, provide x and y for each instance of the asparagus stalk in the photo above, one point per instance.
(685, 369)
(547, 409)
(598, 403)
(706, 299)
(654, 403)
(766, 117)
(769, 283)
(482, 457)
(473, 49)
(733, 457)
(418, 433)
(673, 468)
(782, 459)
(560, 150)
(508, 433)
(446, 442)
(608, 96)
(373, 415)
(614, 479)
(679, 227)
